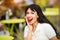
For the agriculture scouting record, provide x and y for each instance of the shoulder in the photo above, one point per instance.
(26, 28)
(48, 29)
(46, 25)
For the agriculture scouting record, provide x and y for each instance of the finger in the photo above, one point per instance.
(26, 20)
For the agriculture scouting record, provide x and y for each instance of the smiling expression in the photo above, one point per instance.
(31, 16)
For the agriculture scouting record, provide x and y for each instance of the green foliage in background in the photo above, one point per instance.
(19, 34)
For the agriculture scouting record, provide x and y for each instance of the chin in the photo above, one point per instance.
(30, 23)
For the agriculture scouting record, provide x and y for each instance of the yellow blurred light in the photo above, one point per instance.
(51, 11)
(6, 38)
(13, 20)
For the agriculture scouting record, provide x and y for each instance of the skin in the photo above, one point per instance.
(32, 24)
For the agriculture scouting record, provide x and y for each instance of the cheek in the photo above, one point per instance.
(35, 18)
(26, 16)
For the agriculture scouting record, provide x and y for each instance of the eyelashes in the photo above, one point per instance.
(29, 13)
(32, 13)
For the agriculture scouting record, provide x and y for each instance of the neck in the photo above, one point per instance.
(34, 26)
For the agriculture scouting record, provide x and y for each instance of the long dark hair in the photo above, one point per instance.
(42, 18)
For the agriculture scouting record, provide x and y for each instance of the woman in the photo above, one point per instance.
(38, 27)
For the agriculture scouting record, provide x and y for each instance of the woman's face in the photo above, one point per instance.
(31, 16)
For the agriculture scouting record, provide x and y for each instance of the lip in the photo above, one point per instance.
(29, 19)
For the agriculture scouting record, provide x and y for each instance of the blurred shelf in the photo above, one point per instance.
(13, 21)
(6, 38)
(51, 11)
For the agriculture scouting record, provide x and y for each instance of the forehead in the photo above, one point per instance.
(30, 10)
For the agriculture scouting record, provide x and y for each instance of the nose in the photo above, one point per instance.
(29, 15)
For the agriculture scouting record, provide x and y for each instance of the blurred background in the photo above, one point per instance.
(12, 13)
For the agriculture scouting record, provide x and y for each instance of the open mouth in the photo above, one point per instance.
(29, 19)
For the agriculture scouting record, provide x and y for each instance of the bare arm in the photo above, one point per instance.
(54, 38)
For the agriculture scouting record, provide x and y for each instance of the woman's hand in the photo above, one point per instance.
(29, 25)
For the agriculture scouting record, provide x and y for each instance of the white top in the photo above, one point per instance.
(43, 31)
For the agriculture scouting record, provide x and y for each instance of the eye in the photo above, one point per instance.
(27, 13)
(32, 13)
